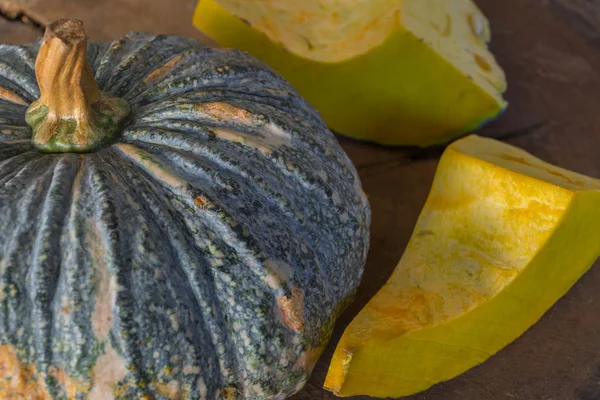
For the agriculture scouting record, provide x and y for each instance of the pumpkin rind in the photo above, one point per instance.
(205, 254)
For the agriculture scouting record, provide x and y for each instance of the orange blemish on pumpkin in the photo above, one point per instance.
(19, 381)
(164, 70)
(172, 390)
(201, 202)
(72, 387)
(23, 382)
(292, 309)
(226, 112)
(230, 393)
(236, 137)
(105, 284)
(147, 162)
(11, 96)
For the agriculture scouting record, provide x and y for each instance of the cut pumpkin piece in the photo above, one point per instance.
(400, 72)
(502, 236)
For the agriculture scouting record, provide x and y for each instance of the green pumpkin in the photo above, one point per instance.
(178, 224)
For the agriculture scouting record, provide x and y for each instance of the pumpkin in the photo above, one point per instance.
(177, 223)
(502, 236)
(397, 72)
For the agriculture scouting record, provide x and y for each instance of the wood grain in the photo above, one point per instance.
(549, 49)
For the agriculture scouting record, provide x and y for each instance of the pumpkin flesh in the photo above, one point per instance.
(500, 239)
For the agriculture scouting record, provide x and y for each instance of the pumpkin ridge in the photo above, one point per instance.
(95, 51)
(10, 129)
(280, 103)
(10, 133)
(117, 50)
(11, 97)
(124, 77)
(202, 71)
(16, 81)
(208, 167)
(127, 345)
(16, 142)
(24, 56)
(181, 65)
(11, 165)
(211, 94)
(13, 114)
(195, 65)
(44, 271)
(13, 269)
(8, 151)
(142, 188)
(21, 170)
(75, 354)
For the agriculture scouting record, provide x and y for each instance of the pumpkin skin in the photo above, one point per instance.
(204, 254)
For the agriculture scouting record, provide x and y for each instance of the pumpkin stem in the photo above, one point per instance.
(72, 114)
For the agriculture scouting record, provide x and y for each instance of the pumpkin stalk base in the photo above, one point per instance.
(72, 114)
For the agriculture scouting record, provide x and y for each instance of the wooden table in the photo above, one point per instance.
(550, 50)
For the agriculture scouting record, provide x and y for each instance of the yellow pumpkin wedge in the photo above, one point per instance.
(399, 72)
(502, 236)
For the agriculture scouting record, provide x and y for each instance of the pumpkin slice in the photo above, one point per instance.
(409, 72)
(502, 236)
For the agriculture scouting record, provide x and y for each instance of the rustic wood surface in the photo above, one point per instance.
(550, 50)
(16, 32)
